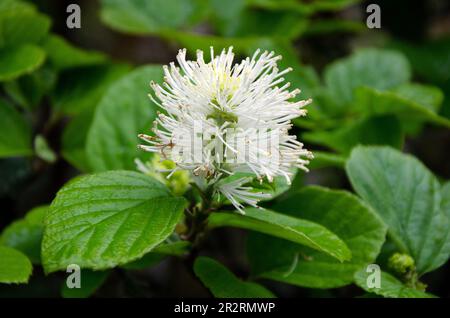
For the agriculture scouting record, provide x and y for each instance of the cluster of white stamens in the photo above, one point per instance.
(222, 118)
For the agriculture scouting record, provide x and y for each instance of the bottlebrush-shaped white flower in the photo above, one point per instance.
(221, 118)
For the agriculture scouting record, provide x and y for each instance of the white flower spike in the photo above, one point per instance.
(222, 118)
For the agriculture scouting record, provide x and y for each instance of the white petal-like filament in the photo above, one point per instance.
(219, 100)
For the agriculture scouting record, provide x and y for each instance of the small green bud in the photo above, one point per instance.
(178, 182)
(401, 263)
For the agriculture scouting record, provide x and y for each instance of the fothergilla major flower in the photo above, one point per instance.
(220, 119)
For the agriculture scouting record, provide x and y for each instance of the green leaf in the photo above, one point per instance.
(223, 13)
(14, 266)
(339, 211)
(429, 100)
(408, 198)
(15, 140)
(19, 60)
(325, 159)
(21, 24)
(445, 109)
(74, 141)
(381, 130)
(20, 27)
(286, 227)
(81, 89)
(429, 97)
(25, 234)
(223, 284)
(149, 16)
(90, 282)
(176, 248)
(389, 286)
(410, 104)
(107, 219)
(29, 89)
(63, 55)
(16, 5)
(233, 18)
(375, 68)
(124, 112)
(251, 23)
(445, 192)
(305, 7)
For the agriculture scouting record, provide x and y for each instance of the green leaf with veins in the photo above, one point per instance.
(25, 234)
(63, 55)
(324, 159)
(90, 282)
(412, 108)
(409, 199)
(390, 286)
(286, 227)
(21, 24)
(124, 111)
(19, 60)
(28, 90)
(107, 219)
(15, 268)
(375, 68)
(143, 17)
(304, 7)
(339, 211)
(81, 89)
